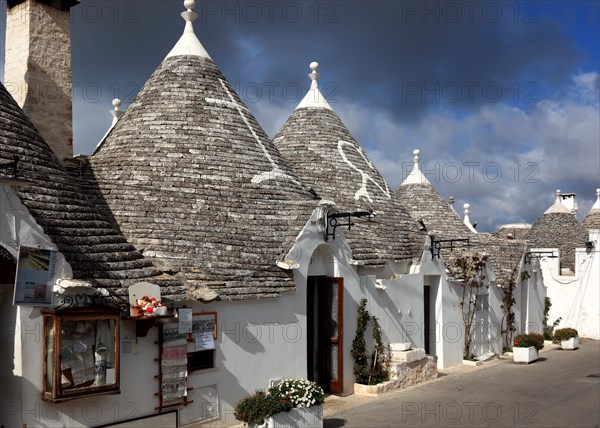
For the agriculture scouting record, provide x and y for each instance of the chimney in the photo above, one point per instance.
(467, 220)
(37, 69)
(568, 200)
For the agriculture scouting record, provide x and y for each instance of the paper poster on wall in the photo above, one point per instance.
(185, 320)
(35, 277)
(204, 341)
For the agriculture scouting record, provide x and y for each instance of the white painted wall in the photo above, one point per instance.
(257, 340)
(576, 298)
(536, 294)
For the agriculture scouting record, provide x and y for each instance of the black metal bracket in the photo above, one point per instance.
(537, 254)
(90, 300)
(437, 244)
(12, 165)
(333, 222)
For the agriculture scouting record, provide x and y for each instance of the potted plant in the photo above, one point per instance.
(569, 338)
(526, 347)
(291, 403)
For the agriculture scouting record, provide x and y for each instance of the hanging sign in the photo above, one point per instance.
(35, 277)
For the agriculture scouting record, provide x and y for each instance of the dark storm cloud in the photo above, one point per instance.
(399, 55)
(386, 53)
(463, 81)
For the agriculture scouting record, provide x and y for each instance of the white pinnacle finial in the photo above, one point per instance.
(189, 5)
(417, 157)
(189, 44)
(557, 193)
(451, 201)
(558, 206)
(467, 220)
(597, 203)
(314, 76)
(416, 176)
(116, 112)
(314, 98)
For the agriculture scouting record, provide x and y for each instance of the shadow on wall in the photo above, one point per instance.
(410, 329)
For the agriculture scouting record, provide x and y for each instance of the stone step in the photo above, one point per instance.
(400, 346)
(408, 356)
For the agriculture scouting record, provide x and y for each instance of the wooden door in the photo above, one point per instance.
(325, 313)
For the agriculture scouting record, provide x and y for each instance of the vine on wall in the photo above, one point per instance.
(370, 368)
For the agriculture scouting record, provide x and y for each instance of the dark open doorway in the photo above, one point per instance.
(427, 318)
(325, 320)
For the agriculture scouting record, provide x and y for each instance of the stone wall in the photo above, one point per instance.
(408, 368)
(38, 70)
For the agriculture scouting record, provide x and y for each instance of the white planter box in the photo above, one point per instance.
(571, 344)
(303, 417)
(525, 355)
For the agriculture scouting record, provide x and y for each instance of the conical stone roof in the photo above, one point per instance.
(97, 252)
(514, 231)
(326, 157)
(559, 228)
(193, 180)
(423, 202)
(592, 219)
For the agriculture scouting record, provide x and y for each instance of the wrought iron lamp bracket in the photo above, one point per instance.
(538, 254)
(333, 221)
(437, 245)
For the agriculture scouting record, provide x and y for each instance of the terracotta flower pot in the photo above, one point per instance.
(136, 311)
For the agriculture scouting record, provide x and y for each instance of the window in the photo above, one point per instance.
(201, 346)
(201, 360)
(81, 353)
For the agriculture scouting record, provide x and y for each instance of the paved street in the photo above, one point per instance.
(562, 389)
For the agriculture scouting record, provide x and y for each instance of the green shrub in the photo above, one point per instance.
(565, 333)
(259, 406)
(531, 339)
(538, 339)
(374, 367)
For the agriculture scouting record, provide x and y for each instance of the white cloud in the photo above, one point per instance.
(503, 159)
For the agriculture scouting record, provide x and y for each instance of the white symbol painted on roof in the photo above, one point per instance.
(362, 192)
(275, 172)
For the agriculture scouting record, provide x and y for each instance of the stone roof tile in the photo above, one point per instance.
(194, 182)
(325, 156)
(592, 219)
(559, 230)
(97, 252)
(423, 202)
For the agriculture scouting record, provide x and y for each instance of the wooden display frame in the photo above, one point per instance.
(55, 392)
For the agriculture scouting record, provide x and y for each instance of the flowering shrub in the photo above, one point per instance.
(289, 394)
(565, 333)
(300, 392)
(527, 340)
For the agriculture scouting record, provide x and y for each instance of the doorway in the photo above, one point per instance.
(430, 322)
(325, 323)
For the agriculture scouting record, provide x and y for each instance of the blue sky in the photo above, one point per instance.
(501, 98)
